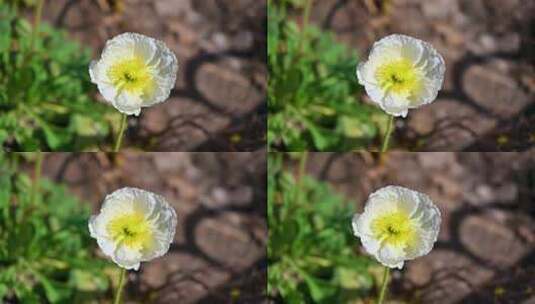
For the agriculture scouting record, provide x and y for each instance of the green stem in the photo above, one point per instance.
(386, 274)
(119, 139)
(302, 168)
(37, 177)
(306, 16)
(120, 287)
(37, 22)
(388, 134)
(14, 162)
(306, 20)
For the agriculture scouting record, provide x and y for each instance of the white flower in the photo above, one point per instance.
(134, 226)
(398, 224)
(402, 73)
(134, 71)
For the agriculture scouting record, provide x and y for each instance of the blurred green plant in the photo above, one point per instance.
(45, 252)
(312, 254)
(45, 101)
(312, 93)
(20, 3)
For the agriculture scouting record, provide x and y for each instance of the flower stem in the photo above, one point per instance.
(306, 16)
(120, 287)
(119, 139)
(386, 274)
(36, 22)
(301, 172)
(388, 134)
(37, 176)
(306, 20)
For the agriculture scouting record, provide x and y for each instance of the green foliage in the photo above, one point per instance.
(20, 3)
(311, 250)
(44, 90)
(312, 89)
(45, 252)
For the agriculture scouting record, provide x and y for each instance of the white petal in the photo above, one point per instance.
(354, 224)
(127, 258)
(390, 256)
(381, 201)
(108, 91)
(395, 106)
(160, 246)
(119, 47)
(120, 201)
(371, 244)
(386, 48)
(97, 226)
(159, 94)
(107, 246)
(127, 103)
(92, 226)
(94, 71)
(422, 246)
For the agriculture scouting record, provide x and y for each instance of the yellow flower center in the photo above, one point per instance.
(394, 229)
(132, 230)
(132, 75)
(400, 77)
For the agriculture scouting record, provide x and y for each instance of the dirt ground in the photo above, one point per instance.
(485, 252)
(218, 255)
(487, 103)
(218, 103)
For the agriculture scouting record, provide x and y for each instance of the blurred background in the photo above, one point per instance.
(485, 251)
(488, 45)
(218, 255)
(218, 103)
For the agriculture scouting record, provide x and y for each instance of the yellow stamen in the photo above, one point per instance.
(400, 77)
(132, 230)
(132, 75)
(394, 228)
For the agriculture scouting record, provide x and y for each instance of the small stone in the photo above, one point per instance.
(439, 9)
(172, 8)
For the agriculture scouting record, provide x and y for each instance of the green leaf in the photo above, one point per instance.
(88, 281)
(3, 290)
(56, 137)
(55, 292)
(322, 138)
(5, 190)
(320, 290)
(5, 37)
